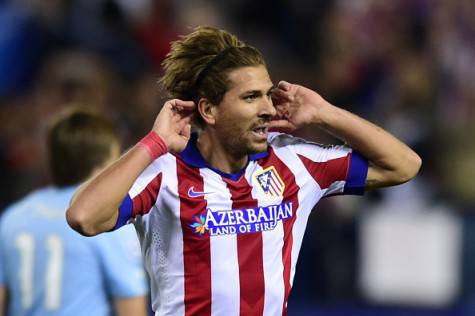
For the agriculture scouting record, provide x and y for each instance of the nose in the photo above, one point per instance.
(267, 107)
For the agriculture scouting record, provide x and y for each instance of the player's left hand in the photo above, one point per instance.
(296, 106)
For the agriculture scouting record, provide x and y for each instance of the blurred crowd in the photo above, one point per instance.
(407, 65)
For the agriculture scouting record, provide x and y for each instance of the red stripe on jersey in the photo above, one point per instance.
(196, 247)
(143, 202)
(249, 247)
(290, 195)
(327, 172)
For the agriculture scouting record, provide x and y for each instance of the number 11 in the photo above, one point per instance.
(54, 269)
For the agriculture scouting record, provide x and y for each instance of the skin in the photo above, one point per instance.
(391, 162)
(229, 136)
(94, 207)
(230, 133)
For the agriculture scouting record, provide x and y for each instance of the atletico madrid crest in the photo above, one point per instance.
(270, 182)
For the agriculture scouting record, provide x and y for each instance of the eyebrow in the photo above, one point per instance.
(258, 92)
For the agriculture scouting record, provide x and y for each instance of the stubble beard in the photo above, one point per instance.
(238, 141)
(243, 145)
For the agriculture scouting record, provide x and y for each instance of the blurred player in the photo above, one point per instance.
(46, 268)
(221, 213)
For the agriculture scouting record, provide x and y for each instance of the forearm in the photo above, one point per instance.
(391, 161)
(94, 208)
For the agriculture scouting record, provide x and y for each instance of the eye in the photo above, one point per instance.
(250, 98)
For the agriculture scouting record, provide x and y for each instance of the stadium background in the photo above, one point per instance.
(408, 65)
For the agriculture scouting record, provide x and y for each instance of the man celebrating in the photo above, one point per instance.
(221, 213)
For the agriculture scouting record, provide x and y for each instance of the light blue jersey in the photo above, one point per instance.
(49, 269)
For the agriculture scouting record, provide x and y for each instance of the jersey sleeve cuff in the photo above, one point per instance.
(356, 180)
(125, 212)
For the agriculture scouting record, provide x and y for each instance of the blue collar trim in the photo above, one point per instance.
(192, 156)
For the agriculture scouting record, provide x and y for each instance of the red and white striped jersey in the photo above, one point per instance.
(227, 244)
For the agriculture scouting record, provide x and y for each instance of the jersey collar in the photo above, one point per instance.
(192, 156)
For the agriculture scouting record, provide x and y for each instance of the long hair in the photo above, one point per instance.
(198, 64)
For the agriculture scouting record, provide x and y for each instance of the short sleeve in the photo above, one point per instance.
(337, 169)
(358, 171)
(142, 196)
(121, 260)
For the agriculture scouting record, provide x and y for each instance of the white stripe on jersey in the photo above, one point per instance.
(335, 187)
(148, 175)
(333, 152)
(308, 188)
(316, 154)
(224, 254)
(161, 231)
(313, 151)
(165, 249)
(272, 243)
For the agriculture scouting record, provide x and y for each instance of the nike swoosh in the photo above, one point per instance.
(193, 193)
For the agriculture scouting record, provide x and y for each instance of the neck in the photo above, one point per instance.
(217, 156)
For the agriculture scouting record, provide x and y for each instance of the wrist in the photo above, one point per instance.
(324, 114)
(154, 144)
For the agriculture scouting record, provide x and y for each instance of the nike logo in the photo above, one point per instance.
(192, 193)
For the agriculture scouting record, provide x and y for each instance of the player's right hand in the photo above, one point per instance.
(173, 123)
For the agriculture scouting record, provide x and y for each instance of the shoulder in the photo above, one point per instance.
(296, 146)
(155, 168)
(280, 140)
(47, 200)
(16, 208)
(122, 242)
(159, 164)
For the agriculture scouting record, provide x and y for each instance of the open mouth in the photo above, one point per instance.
(261, 131)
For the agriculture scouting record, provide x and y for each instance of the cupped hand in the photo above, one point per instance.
(296, 106)
(173, 123)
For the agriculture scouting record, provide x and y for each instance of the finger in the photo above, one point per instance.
(281, 125)
(169, 110)
(182, 122)
(281, 129)
(283, 108)
(281, 115)
(186, 131)
(167, 106)
(185, 117)
(183, 105)
(281, 95)
(176, 117)
(284, 85)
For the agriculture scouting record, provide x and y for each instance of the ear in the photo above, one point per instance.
(207, 111)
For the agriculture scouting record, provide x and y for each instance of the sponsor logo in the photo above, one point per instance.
(199, 225)
(192, 193)
(270, 182)
(239, 221)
